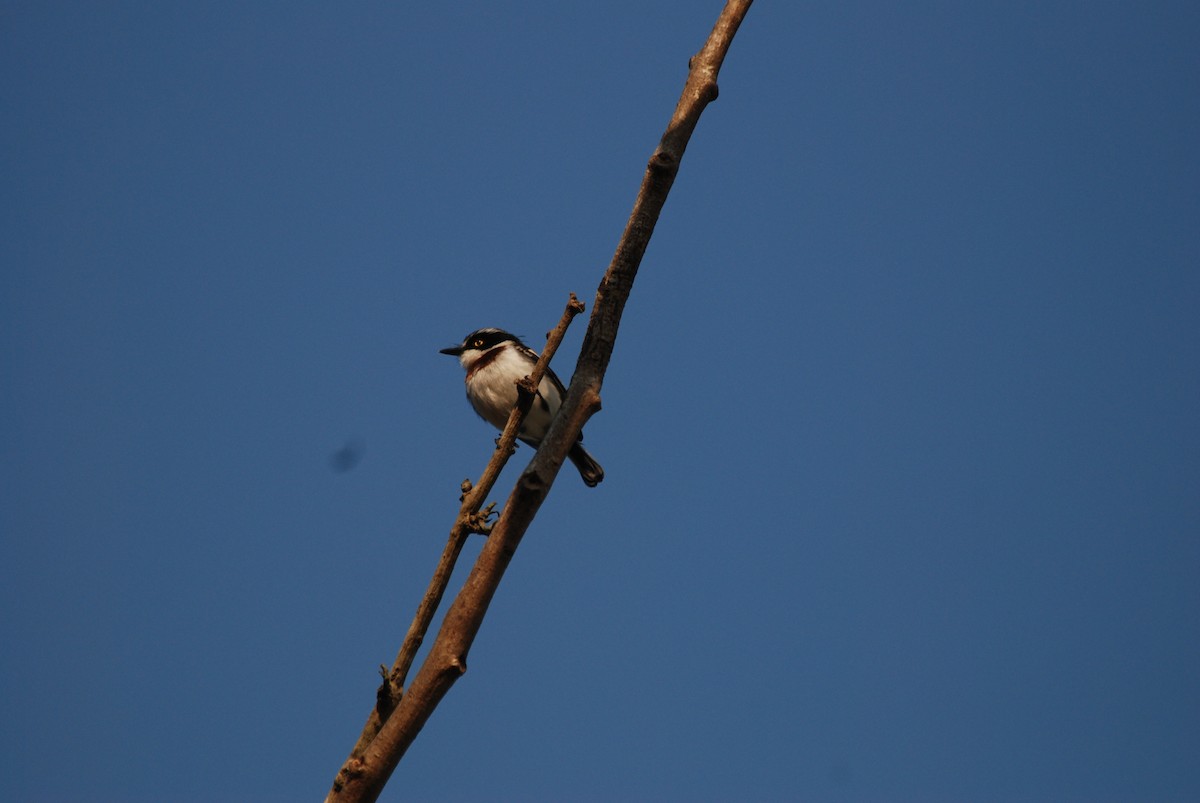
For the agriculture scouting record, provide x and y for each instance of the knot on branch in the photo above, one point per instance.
(532, 481)
(388, 695)
(591, 402)
(352, 769)
(525, 391)
(662, 162)
(478, 522)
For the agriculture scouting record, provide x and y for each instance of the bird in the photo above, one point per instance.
(495, 360)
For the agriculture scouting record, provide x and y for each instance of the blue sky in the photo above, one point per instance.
(901, 432)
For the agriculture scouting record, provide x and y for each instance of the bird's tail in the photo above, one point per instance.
(589, 469)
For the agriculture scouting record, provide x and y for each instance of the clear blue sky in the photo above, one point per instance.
(902, 430)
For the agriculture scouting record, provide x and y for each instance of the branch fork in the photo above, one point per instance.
(398, 716)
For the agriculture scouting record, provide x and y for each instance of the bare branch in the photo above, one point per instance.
(472, 518)
(363, 776)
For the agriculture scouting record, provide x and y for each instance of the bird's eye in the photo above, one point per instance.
(478, 342)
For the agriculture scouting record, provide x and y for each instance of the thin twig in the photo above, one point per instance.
(473, 500)
(391, 690)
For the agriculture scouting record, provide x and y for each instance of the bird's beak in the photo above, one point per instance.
(453, 351)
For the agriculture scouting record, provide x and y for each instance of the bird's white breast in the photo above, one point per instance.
(492, 390)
